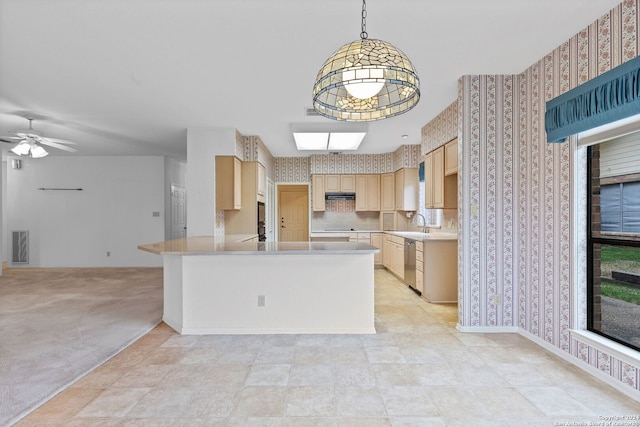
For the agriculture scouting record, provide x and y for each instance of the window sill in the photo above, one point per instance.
(619, 351)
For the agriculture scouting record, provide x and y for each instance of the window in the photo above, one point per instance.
(613, 239)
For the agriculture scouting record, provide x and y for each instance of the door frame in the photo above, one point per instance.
(301, 186)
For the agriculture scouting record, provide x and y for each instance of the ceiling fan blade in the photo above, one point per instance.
(45, 141)
(60, 141)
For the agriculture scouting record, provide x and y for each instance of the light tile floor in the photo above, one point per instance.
(418, 370)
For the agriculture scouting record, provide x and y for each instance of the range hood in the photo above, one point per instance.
(340, 196)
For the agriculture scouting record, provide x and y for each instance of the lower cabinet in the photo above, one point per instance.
(419, 266)
(376, 240)
(393, 254)
(440, 271)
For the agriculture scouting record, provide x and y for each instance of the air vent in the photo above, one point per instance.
(311, 112)
(20, 247)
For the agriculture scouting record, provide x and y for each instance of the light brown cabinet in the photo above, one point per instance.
(419, 266)
(243, 221)
(406, 189)
(367, 192)
(340, 184)
(441, 190)
(387, 192)
(437, 178)
(318, 188)
(393, 254)
(451, 157)
(376, 241)
(228, 183)
(428, 180)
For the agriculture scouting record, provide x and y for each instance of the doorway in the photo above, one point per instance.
(178, 212)
(293, 211)
(271, 211)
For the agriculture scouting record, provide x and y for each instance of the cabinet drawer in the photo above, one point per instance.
(419, 281)
(397, 239)
(419, 266)
(419, 256)
(419, 246)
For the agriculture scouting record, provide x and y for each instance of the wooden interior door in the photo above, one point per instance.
(293, 210)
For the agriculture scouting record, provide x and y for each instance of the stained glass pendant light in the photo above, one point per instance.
(366, 80)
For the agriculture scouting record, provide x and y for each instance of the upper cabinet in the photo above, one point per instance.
(318, 188)
(367, 192)
(387, 192)
(451, 157)
(340, 184)
(254, 181)
(440, 177)
(406, 189)
(228, 183)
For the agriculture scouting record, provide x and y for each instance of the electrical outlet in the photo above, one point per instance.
(260, 300)
(108, 253)
(496, 299)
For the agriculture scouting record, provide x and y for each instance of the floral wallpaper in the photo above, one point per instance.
(292, 169)
(518, 266)
(300, 169)
(442, 129)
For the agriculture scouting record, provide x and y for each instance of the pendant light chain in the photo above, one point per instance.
(363, 33)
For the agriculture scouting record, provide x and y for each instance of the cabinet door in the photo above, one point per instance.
(362, 203)
(347, 183)
(317, 184)
(399, 190)
(428, 180)
(373, 192)
(387, 192)
(376, 240)
(228, 183)
(332, 183)
(262, 182)
(451, 157)
(398, 260)
(407, 189)
(387, 252)
(438, 178)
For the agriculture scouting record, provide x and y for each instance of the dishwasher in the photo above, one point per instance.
(410, 263)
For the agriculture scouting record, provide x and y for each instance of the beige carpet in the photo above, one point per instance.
(58, 324)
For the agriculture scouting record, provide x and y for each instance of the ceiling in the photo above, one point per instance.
(128, 77)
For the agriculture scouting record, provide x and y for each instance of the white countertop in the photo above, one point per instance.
(433, 235)
(209, 245)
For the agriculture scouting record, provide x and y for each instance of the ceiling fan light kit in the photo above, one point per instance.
(366, 80)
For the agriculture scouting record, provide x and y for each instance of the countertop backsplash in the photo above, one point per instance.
(342, 215)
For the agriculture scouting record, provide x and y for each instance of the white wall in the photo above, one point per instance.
(113, 213)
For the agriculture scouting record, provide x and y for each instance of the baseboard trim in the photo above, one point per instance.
(487, 329)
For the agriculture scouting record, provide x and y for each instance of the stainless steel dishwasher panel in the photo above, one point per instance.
(410, 263)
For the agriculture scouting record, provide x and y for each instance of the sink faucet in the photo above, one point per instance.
(425, 229)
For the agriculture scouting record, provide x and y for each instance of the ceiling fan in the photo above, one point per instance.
(30, 142)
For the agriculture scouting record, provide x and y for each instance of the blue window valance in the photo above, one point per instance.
(611, 96)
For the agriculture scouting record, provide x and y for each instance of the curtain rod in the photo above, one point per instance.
(67, 189)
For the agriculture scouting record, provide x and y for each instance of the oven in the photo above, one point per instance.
(262, 223)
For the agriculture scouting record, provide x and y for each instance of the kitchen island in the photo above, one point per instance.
(215, 285)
